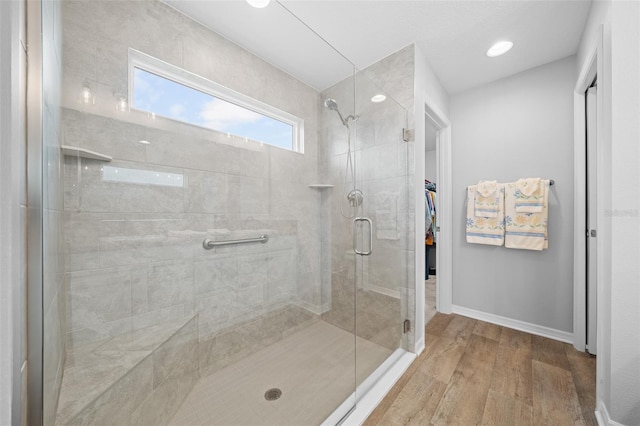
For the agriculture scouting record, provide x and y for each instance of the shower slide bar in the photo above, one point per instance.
(208, 244)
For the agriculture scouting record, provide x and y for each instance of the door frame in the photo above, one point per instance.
(589, 69)
(444, 258)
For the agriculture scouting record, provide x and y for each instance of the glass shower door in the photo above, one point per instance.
(384, 236)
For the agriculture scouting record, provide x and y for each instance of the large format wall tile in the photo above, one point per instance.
(99, 298)
(170, 283)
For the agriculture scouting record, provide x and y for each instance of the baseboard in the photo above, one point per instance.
(419, 346)
(538, 330)
(602, 415)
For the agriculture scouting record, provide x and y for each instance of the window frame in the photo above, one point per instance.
(144, 62)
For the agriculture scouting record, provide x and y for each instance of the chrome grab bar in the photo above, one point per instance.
(208, 243)
(355, 245)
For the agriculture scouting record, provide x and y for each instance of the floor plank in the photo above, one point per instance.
(503, 410)
(555, 401)
(583, 372)
(512, 375)
(515, 338)
(550, 352)
(465, 398)
(501, 377)
(438, 324)
(459, 329)
(416, 403)
(442, 359)
(490, 331)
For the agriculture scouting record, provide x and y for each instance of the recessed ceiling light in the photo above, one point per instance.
(144, 142)
(259, 3)
(500, 48)
(378, 98)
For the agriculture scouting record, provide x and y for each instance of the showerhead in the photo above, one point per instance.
(331, 104)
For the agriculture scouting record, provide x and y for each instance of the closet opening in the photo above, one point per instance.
(431, 218)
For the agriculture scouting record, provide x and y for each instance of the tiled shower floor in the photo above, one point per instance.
(313, 367)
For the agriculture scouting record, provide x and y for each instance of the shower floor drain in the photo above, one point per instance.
(272, 394)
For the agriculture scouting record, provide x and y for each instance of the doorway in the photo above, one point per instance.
(431, 218)
(592, 174)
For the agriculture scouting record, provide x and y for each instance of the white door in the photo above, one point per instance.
(592, 206)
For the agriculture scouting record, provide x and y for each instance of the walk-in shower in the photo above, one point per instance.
(205, 223)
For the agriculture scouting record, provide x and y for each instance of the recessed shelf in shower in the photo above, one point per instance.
(74, 151)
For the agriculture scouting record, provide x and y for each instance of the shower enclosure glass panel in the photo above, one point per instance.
(197, 277)
(385, 268)
(368, 166)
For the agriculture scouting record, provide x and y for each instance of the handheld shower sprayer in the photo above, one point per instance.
(354, 196)
(333, 106)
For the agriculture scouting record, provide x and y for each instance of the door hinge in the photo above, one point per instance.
(406, 326)
(407, 135)
(592, 233)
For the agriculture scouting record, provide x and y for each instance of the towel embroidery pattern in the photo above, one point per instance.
(485, 230)
(487, 199)
(525, 230)
(529, 195)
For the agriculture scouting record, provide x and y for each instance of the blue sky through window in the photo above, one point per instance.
(170, 99)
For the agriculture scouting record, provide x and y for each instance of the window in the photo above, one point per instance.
(168, 91)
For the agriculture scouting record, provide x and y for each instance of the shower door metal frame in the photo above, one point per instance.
(35, 310)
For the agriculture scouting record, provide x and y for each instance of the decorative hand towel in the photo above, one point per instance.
(487, 199)
(485, 230)
(526, 230)
(530, 195)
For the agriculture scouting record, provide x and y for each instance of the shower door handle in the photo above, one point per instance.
(355, 233)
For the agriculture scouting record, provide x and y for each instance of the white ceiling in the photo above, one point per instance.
(454, 35)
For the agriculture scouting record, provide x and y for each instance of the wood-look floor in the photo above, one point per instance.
(476, 373)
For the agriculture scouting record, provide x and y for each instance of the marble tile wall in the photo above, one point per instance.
(134, 249)
(54, 297)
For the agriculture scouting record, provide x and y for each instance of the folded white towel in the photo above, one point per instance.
(485, 230)
(529, 195)
(525, 230)
(487, 199)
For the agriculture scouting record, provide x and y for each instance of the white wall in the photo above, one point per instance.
(625, 217)
(430, 166)
(618, 375)
(520, 126)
